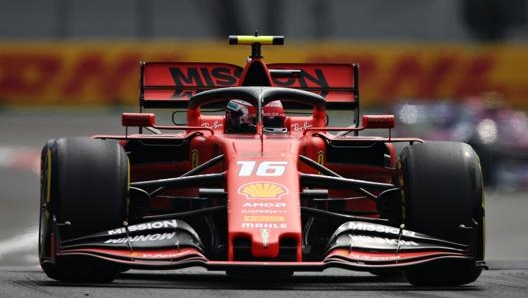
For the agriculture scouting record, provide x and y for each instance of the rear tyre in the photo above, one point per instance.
(84, 182)
(442, 196)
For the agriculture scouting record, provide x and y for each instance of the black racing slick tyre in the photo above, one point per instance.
(442, 196)
(84, 190)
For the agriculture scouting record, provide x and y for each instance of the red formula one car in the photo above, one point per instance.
(263, 186)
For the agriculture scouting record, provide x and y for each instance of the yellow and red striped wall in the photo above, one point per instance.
(98, 73)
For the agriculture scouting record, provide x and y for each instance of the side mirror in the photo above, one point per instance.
(138, 119)
(378, 121)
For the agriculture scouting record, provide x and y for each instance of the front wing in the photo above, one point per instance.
(172, 244)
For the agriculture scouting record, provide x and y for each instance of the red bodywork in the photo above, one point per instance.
(262, 170)
(263, 223)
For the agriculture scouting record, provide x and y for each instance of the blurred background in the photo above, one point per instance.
(79, 52)
(448, 69)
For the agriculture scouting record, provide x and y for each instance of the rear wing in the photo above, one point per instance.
(171, 84)
(337, 83)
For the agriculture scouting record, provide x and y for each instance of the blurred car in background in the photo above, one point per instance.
(497, 132)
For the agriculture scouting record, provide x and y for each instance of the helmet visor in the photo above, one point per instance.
(274, 121)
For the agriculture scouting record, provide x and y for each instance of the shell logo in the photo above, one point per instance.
(263, 190)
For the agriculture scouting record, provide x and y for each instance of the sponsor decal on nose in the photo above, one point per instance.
(263, 190)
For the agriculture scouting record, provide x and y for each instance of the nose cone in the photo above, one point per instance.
(263, 206)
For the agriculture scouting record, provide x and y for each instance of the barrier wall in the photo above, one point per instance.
(85, 73)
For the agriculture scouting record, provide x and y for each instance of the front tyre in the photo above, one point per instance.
(442, 196)
(84, 182)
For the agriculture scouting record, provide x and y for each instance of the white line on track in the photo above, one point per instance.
(20, 157)
(25, 242)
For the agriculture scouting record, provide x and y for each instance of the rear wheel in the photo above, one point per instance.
(84, 188)
(442, 196)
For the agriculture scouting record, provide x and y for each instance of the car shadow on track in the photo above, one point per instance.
(223, 282)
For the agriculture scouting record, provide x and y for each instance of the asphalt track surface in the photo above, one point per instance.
(22, 134)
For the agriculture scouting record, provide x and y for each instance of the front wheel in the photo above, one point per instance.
(442, 196)
(84, 188)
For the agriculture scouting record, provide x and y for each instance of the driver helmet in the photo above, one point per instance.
(240, 117)
(274, 118)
